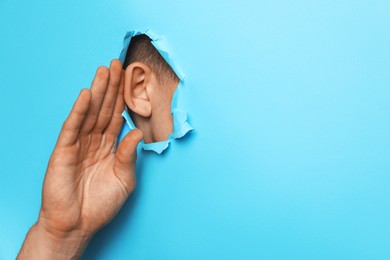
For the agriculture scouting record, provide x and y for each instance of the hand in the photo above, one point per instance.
(87, 179)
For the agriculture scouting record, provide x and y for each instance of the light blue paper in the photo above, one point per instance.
(291, 154)
(181, 126)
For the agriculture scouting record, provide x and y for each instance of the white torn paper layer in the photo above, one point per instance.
(180, 124)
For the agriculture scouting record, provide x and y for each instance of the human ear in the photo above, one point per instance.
(138, 86)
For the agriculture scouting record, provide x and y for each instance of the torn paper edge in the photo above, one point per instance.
(181, 126)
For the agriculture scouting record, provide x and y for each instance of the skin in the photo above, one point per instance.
(149, 101)
(88, 179)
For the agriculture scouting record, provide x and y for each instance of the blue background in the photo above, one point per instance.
(291, 105)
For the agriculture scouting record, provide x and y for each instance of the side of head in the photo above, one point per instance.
(149, 84)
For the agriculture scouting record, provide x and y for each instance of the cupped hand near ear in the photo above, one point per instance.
(87, 179)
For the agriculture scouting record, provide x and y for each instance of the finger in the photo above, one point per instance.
(107, 108)
(125, 159)
(71, 127)
(115, 125)
(98, 90)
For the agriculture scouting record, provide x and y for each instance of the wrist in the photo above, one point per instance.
(42, 243)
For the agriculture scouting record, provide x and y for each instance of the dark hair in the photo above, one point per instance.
(142, 50)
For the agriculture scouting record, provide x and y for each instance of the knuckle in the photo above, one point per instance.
(117, 116)
(106, 112)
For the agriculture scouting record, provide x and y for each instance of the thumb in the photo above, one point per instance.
(125, 157)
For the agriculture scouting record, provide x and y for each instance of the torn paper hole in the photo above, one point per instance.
(181, 125)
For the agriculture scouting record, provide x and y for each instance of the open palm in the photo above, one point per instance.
(88, 179)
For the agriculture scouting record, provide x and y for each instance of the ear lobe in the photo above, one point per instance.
(137, 89)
